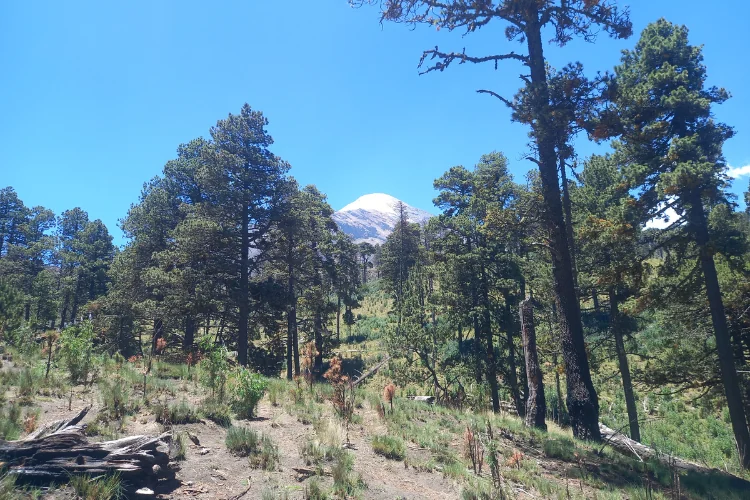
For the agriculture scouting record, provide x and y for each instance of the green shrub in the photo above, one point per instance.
(102, 488)
(259, 447)
(116, 398)
(275, 391)
(314, 453)
(176, 414)
(242, 441)
(214, 367)
(216, 411)
(389, 447)
(313, 491)
(27, 383)
(248, 389)
(342, 466)
(10, 422)
(76, 349)
(179, 446)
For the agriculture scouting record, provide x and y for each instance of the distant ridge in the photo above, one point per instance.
(372, 217)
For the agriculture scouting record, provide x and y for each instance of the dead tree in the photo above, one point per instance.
(61, 449)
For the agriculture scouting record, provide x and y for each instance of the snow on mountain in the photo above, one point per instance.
(372, 217)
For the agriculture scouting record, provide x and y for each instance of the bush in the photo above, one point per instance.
(115, 397)
(247, 391)
(77, 348)
(10, 422)
(216, 411)
(214, 367)
(389, 447)
(259, 447)
(313, 491)
(176, 414)
(179, 446)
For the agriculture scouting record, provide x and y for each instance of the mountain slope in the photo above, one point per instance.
(372, 217)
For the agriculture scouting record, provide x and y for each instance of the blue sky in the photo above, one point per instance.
(96, 96)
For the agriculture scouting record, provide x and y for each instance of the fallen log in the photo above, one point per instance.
(61, 449)
(629, 447)
(371, 371)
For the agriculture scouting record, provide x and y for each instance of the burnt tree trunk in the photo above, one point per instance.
(536, 407)
(582, 400)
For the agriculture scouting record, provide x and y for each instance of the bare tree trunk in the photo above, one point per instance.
(536, 407)
(622, 358)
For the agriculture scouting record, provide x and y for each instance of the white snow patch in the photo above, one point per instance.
(375, 202)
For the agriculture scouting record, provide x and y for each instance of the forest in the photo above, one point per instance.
(581, 332)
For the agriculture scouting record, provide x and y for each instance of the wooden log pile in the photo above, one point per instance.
(61, 449)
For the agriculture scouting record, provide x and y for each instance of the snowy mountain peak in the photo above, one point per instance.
(375, 202)
(372, 217)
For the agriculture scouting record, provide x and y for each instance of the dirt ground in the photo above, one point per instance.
(210, 471)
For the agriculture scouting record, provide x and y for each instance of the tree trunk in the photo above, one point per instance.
(338, 318)
(568, 207)
(364, 271)
(491, 362)
(582, 400)
(64, 311)
(728, 370)
(536, 407)
(622, 358)
(291, 312)
(158, 331)
(244, 309)
(512, 369)
(189, 340)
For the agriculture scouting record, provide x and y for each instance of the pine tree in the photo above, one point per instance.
(673, 148)
(525, 22)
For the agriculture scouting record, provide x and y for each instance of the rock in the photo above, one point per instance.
(193, 438)
(145, 492)
(204, 451)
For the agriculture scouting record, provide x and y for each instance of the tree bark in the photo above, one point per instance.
(189, 340)
(512, 369)
(568, 207)
(536, 406)
(582, 400)
(622, 358)
(729, 377)
(491, 362)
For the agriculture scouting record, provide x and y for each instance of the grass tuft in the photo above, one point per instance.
(389, 447)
